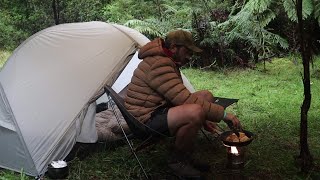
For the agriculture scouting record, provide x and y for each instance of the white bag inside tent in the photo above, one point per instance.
(49, 86)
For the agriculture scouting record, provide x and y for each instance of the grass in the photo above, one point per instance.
(269, 106)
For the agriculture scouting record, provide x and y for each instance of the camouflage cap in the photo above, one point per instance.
(183, 38)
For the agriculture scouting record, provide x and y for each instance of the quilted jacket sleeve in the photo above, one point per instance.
(165, 78)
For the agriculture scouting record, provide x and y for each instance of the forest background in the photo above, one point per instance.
(232, 32)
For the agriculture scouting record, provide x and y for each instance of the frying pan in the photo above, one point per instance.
(224, 135)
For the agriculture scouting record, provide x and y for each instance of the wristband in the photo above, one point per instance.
(224, 114)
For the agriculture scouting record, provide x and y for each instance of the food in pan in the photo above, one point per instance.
(234, 138)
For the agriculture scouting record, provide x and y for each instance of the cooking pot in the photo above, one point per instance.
(61, 172)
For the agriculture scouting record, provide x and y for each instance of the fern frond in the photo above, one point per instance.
(317, 11)
(259, 6)
(242, 19)
(290, 8)
(144, 27)
(169, 9)
(266, 17)
(264, 5)
(307, 8)
(276, 39)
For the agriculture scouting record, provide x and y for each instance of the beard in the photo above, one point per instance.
(177, 60)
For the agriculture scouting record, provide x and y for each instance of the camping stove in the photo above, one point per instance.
(235, 150)
(236, 157)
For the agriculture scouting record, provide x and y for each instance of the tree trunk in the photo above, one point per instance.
(55, 8)
(305, 157)
(221, 63)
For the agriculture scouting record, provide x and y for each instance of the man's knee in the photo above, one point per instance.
(196, 114)
(187, 114)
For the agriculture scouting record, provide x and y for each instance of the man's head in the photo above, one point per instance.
(181, 43)
(182, 38)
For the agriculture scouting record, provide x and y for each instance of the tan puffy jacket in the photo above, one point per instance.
(157, 82)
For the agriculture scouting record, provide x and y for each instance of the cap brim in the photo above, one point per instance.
(195, 49)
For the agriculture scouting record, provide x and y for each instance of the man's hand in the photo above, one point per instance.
(211, 127)
(231, 118)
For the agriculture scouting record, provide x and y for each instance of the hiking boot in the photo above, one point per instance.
(184, 169)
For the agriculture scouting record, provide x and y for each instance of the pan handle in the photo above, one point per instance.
(235, 130)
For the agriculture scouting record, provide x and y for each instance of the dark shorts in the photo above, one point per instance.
(159, 122)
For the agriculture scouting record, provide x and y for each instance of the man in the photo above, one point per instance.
(157, 97)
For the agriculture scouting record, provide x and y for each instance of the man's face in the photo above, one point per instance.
(182, 55)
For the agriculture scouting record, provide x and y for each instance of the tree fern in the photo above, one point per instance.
(317, 11)
(276, 39)
(290, 9)
(266, 17)
(250, 25)
(258, 6)
(307, 9)
(146, 27)
(172, 17)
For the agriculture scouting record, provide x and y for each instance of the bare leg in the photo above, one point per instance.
(185, 121)
(207, 95)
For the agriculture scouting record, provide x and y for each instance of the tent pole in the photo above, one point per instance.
(124, 133)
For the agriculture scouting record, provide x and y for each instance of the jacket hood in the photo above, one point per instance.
(152, 48)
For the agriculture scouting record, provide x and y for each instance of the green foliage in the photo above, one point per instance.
(20, 19)
(10, 175)
(249, 22)
(4, 55)
(310, 15)
(120, 11)
(160, 27)
(317, 11)
(258, 6)
(81, 11)
(229, 31)
(212, 36)
(250, 25)
(10, 35)
(165, 17)
(149, 27)
(289, 6)
(241, 35)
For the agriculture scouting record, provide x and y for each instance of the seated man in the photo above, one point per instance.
(157, 97)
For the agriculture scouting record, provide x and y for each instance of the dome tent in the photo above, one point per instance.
(49, 86)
